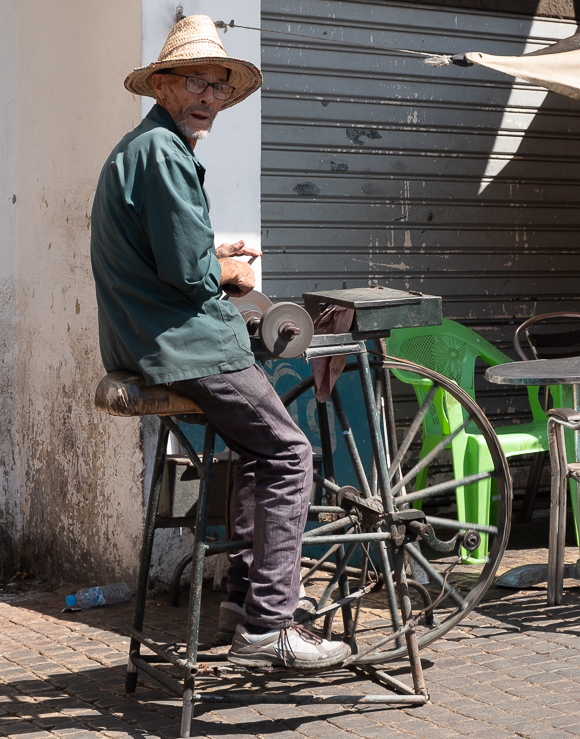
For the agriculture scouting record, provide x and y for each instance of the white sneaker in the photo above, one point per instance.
(231, 614)
(290, 647)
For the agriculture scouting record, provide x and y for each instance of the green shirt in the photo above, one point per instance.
(154, 262)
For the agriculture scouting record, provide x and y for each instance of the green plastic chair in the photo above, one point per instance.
(452, 350)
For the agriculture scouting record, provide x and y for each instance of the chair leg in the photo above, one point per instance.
(532, 487)
(573, 486)
(473, 501)
(557, 513)
(473, 504)
(427, 445)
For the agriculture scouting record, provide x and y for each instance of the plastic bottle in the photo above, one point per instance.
(117, 592)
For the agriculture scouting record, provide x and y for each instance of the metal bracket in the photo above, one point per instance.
(410, 514)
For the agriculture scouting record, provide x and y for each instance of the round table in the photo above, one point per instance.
(536, 372)
(544, 372)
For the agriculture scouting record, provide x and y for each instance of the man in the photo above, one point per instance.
(159, 280)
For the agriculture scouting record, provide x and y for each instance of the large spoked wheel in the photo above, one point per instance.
(447, 463)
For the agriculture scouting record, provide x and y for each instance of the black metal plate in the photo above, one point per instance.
(364, 297)
(377, 310)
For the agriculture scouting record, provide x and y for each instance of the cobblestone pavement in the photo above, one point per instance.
(510, 669)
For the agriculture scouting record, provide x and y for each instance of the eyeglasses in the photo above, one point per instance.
(197, 86)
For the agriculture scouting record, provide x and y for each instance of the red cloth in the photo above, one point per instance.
(326, 370)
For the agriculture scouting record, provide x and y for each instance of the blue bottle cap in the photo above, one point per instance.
(71, 601)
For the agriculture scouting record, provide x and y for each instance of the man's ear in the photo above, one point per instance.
(157, 83)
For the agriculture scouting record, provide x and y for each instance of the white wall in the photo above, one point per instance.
(231, 154)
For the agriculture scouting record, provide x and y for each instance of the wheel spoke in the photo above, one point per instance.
(447, 523)
(428, 567)
(328, 528)
(390, 588)
(315, 567)
(349, 440)
(341, 567)
(428, 458)
(443, 487)
(326, 484)
(414, 428)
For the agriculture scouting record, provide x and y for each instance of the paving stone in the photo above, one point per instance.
(375, 732)
(495, 733)
(525, 728)
(501, 684)
(562, 721)
(573, 729)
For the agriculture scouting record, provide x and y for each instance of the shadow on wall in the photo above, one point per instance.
(540, 184)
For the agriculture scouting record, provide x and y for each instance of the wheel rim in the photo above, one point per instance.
(468, 583)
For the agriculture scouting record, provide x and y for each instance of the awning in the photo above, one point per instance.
(556, 67)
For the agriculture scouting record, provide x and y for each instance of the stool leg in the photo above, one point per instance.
(146, 551)
(197, 576)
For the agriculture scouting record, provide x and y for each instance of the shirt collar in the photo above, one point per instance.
(160, 116)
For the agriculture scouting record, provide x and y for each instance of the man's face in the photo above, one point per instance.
(192, 114)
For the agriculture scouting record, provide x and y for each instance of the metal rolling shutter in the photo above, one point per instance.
(378, 169)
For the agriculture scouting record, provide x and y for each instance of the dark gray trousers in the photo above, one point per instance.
(272, 485)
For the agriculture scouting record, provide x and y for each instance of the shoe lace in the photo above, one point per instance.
(284, 646)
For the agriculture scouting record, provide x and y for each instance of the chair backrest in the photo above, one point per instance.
(549, 336)
(450, 349)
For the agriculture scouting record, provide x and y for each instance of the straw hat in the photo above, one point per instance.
(195, 40)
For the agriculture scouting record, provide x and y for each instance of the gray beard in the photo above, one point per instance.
(190, 133)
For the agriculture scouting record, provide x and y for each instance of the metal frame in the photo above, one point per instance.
(391, 540)
(191, 663)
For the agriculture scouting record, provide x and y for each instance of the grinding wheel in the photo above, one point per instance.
(252, 307)
(254, 301)
(286, 330)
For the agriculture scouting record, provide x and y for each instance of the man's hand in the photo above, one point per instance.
(237, 278)
(237, 250)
